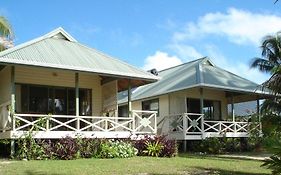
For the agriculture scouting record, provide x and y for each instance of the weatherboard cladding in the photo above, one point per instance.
(58, 52)
(197, 73)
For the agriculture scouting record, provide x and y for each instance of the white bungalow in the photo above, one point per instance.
(192, 101)
(56, 87)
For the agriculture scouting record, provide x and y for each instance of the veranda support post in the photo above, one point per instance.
(129, 99)
(77, 100)
(258, 114)
(12, 112)
(232, 108)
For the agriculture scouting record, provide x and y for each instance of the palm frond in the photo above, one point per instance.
(5, 28)
(262, 64)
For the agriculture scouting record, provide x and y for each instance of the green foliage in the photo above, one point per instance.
(156, 146)
(116, 149)
(29, 149)
(153, 149)
(273, 145)
(88, 148)
(211, 145)
(215, 145)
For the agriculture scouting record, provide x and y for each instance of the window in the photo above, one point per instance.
(54, 100)
(151, 105)
(123, 111)
(211, 108)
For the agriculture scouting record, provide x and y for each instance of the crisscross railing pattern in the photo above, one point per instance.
(194, 124)
(141, 122)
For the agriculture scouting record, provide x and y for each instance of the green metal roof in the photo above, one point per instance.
(60, 50)
(197, 73)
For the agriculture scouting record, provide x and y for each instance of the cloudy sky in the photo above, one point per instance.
(156, 33)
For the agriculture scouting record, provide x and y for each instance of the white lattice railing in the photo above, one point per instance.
(141, 122)
(194, 124)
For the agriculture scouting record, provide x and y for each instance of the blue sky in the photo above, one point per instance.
(156, 33)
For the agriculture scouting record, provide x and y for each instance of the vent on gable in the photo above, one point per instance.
(153, 71)
(59, 36)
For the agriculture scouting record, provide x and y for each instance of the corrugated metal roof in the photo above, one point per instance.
(59, 50)
(197, 73)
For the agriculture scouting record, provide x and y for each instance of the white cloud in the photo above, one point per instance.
(185, 51)
(239, 26)
(161, 60)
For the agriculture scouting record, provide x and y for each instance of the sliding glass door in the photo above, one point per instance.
(53, 100)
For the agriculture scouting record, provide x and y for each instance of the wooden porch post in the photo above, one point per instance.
(13, 101)
(201, 112)
(232, 108)
(77, 100)
(129, 98)
(201, 101)
(258, 114)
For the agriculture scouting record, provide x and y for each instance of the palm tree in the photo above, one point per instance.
(6, 34)
(270, 62)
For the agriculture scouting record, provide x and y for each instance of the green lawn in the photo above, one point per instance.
(183, 164)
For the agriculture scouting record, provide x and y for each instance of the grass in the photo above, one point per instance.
(183, 164)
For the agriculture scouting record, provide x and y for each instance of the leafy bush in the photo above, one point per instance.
(156, 146)
(215, 145)
(29, 148)
(116, 149)
(212, 145)
(153, 148)
(66, 148)
(273, 145)
(88, 147)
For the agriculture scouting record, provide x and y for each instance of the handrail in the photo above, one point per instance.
(140, 122)
(70, 116)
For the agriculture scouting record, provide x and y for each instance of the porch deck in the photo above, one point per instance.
(58, 126)
(190, 126)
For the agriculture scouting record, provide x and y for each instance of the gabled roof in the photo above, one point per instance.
(197, 73)
(60, 50)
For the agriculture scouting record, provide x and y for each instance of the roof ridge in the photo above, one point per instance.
(36, 40)
(184, 64)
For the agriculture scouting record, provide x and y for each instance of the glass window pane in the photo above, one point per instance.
(85, 102)
(38, 101)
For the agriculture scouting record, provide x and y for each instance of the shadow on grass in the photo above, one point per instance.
(38, 173)
(203, 171)
(200, 170)
(215, 157)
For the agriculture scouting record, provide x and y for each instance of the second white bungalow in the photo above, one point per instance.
(196, 100)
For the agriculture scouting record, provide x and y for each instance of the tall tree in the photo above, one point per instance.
(6, 34)
(270, 62)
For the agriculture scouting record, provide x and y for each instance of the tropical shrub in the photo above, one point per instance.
(29, 149)
(212, 145)
(156, 146)
(273, 145)
(88, 148)
(66, 148)
(153, 148)
(116, 149)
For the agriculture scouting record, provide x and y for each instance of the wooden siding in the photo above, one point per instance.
(53, 77)
(178, 99)
(175, 103)
(5, 85)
